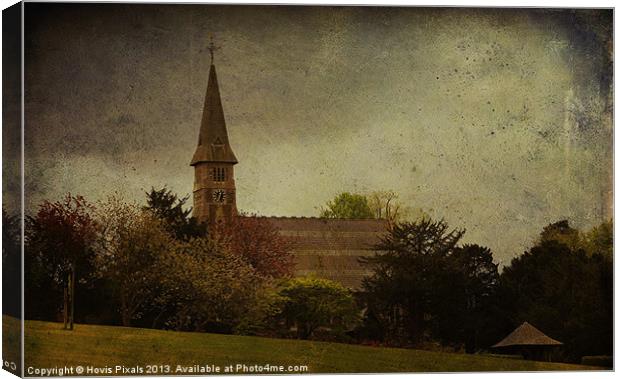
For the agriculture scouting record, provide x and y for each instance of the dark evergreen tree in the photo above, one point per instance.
(170, 208)
(411, 280)
(467, 316)
(563, 233)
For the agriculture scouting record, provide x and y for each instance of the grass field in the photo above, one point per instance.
(47, 345)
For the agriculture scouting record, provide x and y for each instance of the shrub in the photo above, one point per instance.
(311, 303)
(303, 305)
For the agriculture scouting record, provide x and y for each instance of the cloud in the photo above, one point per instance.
(496, 120)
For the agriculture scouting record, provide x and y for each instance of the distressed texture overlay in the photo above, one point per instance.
(497, 120)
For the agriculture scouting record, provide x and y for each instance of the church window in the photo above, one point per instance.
(218, 174)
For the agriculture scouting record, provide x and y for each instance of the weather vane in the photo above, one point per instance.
(212, 48)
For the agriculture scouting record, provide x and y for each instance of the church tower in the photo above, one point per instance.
(214, 160)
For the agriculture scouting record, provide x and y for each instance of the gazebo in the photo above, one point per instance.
(528, 342)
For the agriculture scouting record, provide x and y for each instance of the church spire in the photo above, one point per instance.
(214, 162)
(212, 49)
(213, 145)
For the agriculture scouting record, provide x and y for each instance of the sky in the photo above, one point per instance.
(499, 121)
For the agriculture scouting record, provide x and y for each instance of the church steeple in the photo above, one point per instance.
(213, 145)
(213, 161)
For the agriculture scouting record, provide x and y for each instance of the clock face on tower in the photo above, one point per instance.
(219, 196)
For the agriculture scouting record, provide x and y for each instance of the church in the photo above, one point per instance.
(324, 247)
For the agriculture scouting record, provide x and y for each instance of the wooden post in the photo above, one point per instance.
(65, 307)
(72, 297)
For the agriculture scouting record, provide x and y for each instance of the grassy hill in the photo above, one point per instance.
(47, 345)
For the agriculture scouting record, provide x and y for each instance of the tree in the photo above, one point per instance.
(347, 205)
(302, 304)
(204, 287)
(310, 303)
(42, 293)
(600, 240)
(11, 264)
(62, 236)
(563, 233)
(410, 279)
(170, 208)
(466, 316)
(259, 243)
(132, 241)
(566, 293)
(263, 315)
(385, 205)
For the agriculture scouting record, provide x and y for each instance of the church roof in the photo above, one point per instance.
(326, 224)
(213, 145)
(330, 248)
(527, 335)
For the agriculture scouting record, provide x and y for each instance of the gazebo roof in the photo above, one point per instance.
(527, 335)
